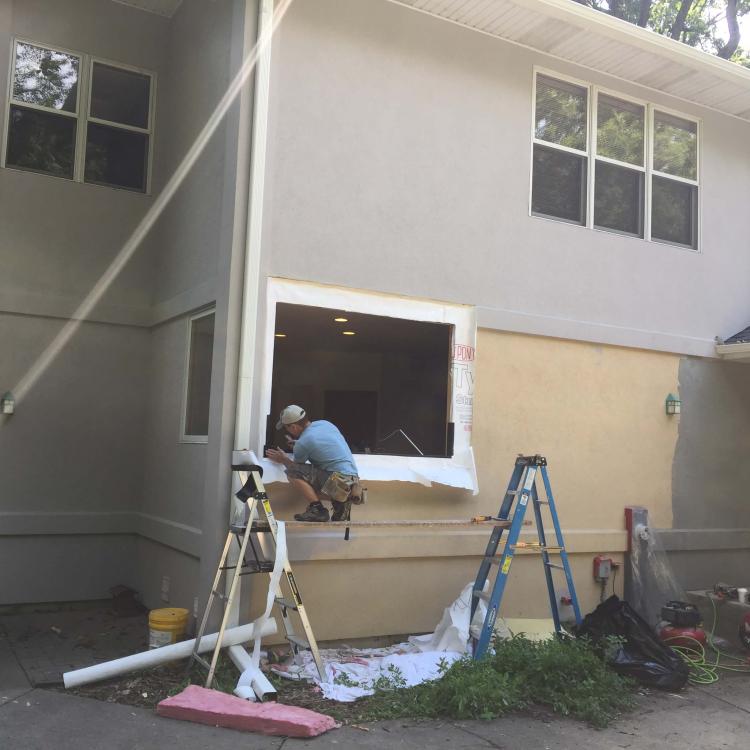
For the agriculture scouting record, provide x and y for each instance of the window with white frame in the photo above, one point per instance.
(79, 118)
(198, 377)
(639, 161)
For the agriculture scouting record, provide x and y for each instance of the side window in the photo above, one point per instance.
(117, 137)
(560, 148)
(620, 165)
(674, 181)
(198, 377)
(74, 117)
(43, 111)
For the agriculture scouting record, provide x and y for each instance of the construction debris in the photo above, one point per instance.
(217, 709)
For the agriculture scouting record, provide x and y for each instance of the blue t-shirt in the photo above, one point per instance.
(324, 446)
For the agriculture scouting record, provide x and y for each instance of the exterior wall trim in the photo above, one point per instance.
(516, 321)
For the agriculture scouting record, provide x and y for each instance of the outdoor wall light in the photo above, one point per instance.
(8, 403)
(349, 333)
(280, 335)
(672, 404)
(341, 320)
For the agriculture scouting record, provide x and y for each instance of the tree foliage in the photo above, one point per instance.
(710, 25)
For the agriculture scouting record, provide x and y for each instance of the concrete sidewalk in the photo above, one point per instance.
(699, 719)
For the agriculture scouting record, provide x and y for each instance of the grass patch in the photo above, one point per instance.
(564, 675)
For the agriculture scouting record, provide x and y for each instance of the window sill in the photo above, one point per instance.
(458, 471)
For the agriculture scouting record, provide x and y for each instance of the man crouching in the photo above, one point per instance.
(331, 473)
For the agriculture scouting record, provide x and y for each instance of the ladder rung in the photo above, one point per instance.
(554, 565)
(481, 595)
(286, 603)
(261, 526)
(298, 640)
(493, 559)
(534, 547)
(221, 595)
(542, 502)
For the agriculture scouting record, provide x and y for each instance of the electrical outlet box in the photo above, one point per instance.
(165, 588)
(602, 568)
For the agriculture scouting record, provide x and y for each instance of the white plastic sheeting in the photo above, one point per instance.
(351, 673)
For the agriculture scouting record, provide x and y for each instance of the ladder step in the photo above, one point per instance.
(493, 559)
(286, 603)
(220, 594)
(250, 568)
(481, 595)
(554, 565)
(298, 640)
(534, 547)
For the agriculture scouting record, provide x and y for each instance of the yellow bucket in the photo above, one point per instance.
(166, 626)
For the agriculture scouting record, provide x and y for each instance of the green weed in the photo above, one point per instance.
(564, 675)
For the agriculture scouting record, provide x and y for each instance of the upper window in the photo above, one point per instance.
(82, 119)
(640, 162)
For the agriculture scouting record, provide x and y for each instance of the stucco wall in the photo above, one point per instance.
(93, 449)
(59, 236)
(596, 412)
(399, 161)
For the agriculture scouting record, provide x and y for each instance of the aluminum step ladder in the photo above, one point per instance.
(521, 489)
(247, 535)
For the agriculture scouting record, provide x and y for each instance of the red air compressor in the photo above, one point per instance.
(681, 626)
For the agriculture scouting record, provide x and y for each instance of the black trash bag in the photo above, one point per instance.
(642, 656)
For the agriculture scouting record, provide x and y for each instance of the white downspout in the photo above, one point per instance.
(251, 281)
(250, 296)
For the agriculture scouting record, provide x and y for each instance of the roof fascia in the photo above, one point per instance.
(737, 352)
(645, 39)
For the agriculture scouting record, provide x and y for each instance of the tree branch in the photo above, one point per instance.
(734, 31)
(679, 22)
(644, 12)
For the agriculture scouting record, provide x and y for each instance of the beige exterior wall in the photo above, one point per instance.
(596, 412)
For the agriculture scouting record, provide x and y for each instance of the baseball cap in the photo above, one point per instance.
(290, 415)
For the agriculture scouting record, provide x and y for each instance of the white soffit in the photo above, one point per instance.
(160, 7)
(576, 33)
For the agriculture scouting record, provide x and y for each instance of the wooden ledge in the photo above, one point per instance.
(359, 524)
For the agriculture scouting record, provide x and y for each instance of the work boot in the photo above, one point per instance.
(341, 511)
(315, 512)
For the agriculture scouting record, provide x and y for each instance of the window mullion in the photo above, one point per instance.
(591, 160)
(84, 84)
(649, 170)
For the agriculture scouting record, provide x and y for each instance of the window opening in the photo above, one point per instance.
(386, 385)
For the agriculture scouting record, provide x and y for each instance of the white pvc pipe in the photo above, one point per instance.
(252, 681)
(156, 656)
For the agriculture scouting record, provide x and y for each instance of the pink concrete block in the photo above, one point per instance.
(204, 706)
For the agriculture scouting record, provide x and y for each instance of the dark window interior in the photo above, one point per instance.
(199, 375)
(391, 375)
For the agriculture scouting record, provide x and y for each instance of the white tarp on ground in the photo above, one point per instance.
(352, 673)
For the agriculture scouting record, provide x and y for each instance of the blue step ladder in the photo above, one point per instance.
(521, 489)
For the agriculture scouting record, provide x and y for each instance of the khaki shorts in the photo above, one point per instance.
(333, 484)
